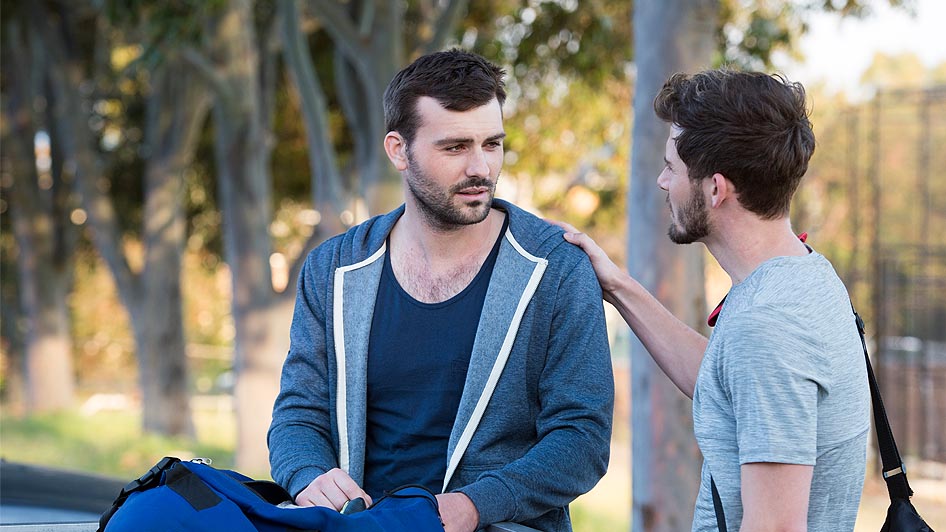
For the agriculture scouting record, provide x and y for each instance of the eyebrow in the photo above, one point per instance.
(451, 141)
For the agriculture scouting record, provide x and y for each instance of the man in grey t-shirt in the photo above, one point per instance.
(780, 396)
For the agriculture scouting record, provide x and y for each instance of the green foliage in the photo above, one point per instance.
(751, 31)
(573, 149)
(589, 39)
(542, 40)
(162, 24)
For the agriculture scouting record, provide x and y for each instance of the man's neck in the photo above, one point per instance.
(436, 244)
(742, 243)
(433, 265)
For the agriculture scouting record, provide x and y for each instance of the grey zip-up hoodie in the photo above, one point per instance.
(533, 427)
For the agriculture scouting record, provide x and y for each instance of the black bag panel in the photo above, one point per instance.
(191, 488)
(903, 517)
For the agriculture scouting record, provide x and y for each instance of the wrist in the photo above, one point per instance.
(621, 290)
(458, 512)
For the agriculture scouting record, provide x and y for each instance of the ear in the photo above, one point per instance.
(396, 148)
(721, 189)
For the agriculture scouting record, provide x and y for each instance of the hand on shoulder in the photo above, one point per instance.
(610, 276)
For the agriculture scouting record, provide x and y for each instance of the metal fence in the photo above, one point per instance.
(896, 265)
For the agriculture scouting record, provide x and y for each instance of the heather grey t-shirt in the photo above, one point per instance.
(784, 380)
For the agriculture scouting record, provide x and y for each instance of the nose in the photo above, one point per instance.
(663, 180)
(478, 164)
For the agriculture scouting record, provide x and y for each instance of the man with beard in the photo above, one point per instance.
(780, 396)
(457, 342)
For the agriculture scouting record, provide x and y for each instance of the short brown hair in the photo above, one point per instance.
(751, 127)
(458, 79)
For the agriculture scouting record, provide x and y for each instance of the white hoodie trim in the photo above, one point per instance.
(341, 385)
(501, 359)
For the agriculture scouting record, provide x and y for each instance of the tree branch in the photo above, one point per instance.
(346, 37)
(208, 72)
(326, 181)
(446, 22)
(340, 26)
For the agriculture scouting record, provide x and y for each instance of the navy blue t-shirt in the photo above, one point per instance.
(418, 355)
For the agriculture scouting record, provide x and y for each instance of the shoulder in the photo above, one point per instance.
(542, 240)
(791, 282)
(354, 245)
(768, 340)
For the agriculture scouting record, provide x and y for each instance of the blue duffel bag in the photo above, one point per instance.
(192, 496)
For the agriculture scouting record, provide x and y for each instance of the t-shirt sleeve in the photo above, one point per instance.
(773, 371)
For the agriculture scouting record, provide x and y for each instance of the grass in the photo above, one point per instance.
(586, 519)
(109, 443)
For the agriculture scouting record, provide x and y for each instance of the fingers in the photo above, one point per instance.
(331, 489)
(574, 236)
(586, 243)
(569, 228)
(348, 486)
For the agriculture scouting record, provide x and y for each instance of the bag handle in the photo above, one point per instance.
(895, 474)
(147, 481)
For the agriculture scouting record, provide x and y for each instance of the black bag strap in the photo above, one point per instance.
(144, 482)
(895, 474)
(718, 506)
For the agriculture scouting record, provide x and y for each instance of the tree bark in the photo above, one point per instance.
(42, 264)
(670, 36)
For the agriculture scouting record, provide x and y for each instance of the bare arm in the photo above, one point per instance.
(775, 497)
(675, 347)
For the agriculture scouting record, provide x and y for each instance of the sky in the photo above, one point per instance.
(838, 51)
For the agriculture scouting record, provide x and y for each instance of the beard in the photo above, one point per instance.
(692, 219)
(439, 206)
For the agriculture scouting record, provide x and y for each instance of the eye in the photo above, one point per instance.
(454, 149)
(494, 144)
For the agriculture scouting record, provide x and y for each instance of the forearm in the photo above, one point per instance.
(551, 475)
(675, 347)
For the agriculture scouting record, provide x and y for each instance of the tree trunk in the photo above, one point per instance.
(44, 276)
(670, 36)
(177, 108)
(244, 199)
(153, 297)
(43, 290)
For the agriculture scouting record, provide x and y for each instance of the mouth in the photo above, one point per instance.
(473, 192)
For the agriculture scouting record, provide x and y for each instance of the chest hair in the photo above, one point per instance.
(428, 285)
